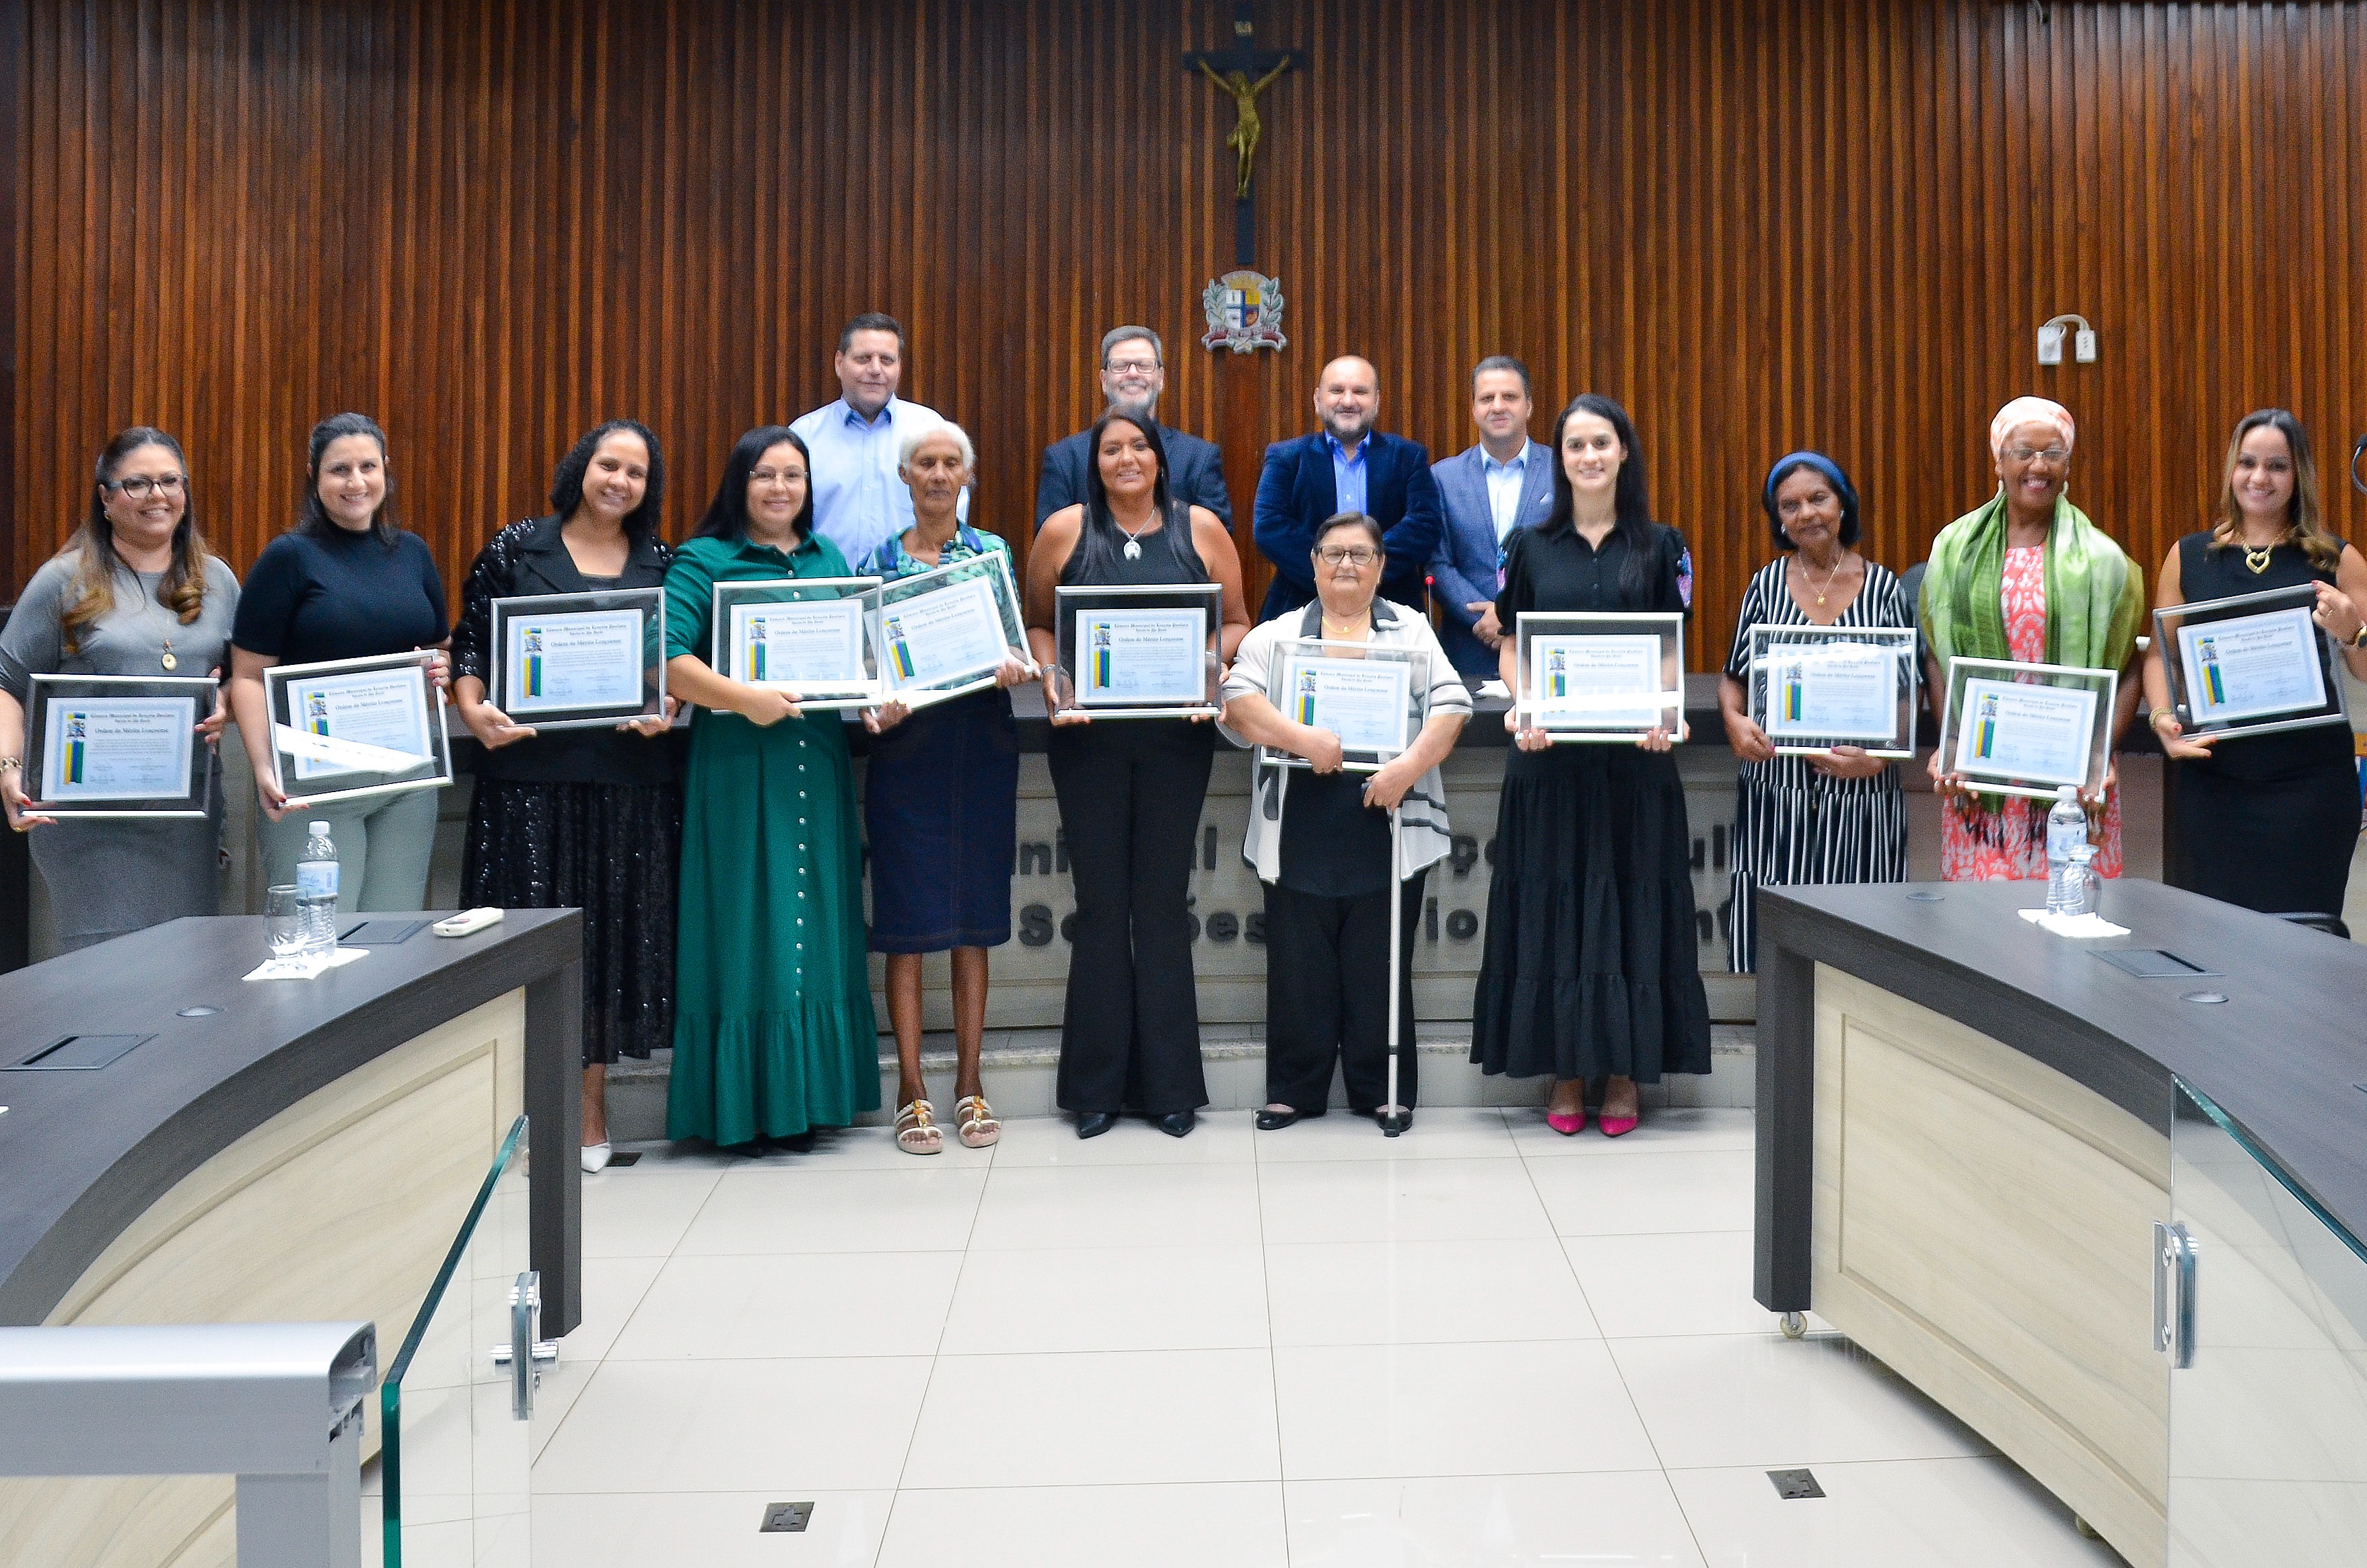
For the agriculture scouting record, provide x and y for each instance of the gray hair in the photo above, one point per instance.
(924, 430)
(1117, 335)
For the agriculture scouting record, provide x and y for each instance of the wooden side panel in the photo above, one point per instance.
(343, 1206)
(1828, 223)
(1984, 1225)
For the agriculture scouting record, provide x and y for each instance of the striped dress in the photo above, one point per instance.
(1793, 825)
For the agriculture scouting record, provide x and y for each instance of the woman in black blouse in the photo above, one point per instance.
(346, 582)
(586, 817)
(1591, 969)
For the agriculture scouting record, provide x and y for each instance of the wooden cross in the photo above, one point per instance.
(1242, 71)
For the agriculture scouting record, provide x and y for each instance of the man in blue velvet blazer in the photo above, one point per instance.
(1346, 467)
(1502, 484)
(1134, 372)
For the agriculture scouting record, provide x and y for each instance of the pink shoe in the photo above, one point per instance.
(1618, 1126)
(1570, 1126)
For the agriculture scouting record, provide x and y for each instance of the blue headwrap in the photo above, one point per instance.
(1823, 464)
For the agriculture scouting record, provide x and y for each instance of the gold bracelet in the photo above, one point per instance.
(2158, 715)
(8, 762)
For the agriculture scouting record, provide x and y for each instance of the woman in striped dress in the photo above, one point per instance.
(1839, 817)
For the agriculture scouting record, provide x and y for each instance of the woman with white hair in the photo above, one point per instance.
(2027, 577)
(940, 807)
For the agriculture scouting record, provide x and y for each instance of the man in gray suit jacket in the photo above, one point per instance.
(1505, 482)
(1134, 372)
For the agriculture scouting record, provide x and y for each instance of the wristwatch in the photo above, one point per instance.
(2358, 640)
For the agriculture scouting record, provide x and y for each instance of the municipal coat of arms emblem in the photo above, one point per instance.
(1244, 310)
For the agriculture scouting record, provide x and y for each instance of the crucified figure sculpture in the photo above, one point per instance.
(1246, 128)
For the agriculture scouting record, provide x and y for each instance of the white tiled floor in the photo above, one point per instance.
(1481, 1344)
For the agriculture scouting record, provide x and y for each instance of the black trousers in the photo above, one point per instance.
(1130, 793)
(1326, 998)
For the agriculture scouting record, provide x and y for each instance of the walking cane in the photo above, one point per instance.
(1395, 1118)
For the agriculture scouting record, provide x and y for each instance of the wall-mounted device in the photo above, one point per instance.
(2083, 341)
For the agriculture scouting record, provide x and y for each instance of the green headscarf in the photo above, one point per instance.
(2095, 595)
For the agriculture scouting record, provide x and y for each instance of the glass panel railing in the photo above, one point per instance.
(456, 1402)
(2262, 1306)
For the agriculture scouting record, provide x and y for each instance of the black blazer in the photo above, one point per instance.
(1196, 474)
(1295, 492)
(527, 559)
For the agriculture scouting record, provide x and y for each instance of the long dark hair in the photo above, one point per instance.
(1631, 503)
(567, 482)
(314, 518)
(183, 590)
(727, 515)
(2303, 513)
(1100, 540)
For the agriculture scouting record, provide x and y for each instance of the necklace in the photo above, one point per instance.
(1133, 537)
(1839, 561)
(148, 615)
(2258, 560)
(1344, 628)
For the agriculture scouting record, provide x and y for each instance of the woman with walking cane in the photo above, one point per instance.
(1337, 842)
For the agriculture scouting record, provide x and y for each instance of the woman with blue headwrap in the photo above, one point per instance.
(1839, 816)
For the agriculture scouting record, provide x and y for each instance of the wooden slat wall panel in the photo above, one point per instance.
(1825, 222)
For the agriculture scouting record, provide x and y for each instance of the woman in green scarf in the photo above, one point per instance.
(2027, 578)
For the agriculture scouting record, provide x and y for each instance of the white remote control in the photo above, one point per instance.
(469, 921)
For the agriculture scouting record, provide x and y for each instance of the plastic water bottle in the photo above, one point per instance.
(2067, 828)
(316, 893)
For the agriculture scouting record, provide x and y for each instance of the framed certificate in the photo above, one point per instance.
(571, 661)
(944, 633)
(806, 635)
(1375, 699)
(1146, 652)
(353, 728)
(2027, 728)
(1591, 675)
(2251, 665)
(1813, 688)
(117, 746)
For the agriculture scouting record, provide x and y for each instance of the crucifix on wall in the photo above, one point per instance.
(1241, 72)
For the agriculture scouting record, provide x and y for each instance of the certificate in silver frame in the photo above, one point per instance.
(1600, 676)
(832, 664)
(117, 746)
(1867, 695)
(1152, 616)
(1982, 739)
(2218, 649)
(542, 682)
(1309, 672)
(923, 625)
(351, 728)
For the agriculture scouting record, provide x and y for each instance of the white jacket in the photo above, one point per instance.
(1422, 814)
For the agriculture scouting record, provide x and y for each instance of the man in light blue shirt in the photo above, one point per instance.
(1502, 483)
(854, 441)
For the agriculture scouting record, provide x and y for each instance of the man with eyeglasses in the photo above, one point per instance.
(1347, 465)
(1134, 373)
(855, 439)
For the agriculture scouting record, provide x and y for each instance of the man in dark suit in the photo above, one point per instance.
(1502, 484)
(1134, 372)
(1346, 467)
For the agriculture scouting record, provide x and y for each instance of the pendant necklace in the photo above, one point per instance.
(147, 602)
(1838, 563)
(2258, 560)
(1133, 543)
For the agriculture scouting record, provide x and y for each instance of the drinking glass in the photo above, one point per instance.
(283, 920)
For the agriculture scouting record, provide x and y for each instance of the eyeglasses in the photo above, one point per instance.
(1347, 555)
(775, 476)
(1131, 367)
(2052, 454)
(137, 490)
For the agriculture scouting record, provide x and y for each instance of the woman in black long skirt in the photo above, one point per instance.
(586, 817)
(2266, 821)
(1130, 791)
(1590, 970)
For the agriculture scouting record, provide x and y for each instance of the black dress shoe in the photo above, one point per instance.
(1093, 1124)
(796, 1143)
(1175, 1124)
(1274, 1121)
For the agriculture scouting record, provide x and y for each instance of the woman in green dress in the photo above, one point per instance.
(774, 1034)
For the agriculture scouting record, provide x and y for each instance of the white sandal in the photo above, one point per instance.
(976, 1118)
(916, 1129)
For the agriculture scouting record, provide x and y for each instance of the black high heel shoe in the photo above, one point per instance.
(1175, 1124)
(1093, 1124)
(1272, 1121)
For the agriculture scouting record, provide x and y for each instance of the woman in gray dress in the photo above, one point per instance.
(133, 593)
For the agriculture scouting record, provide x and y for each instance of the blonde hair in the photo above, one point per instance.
(2304, 514)
(183, 589)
